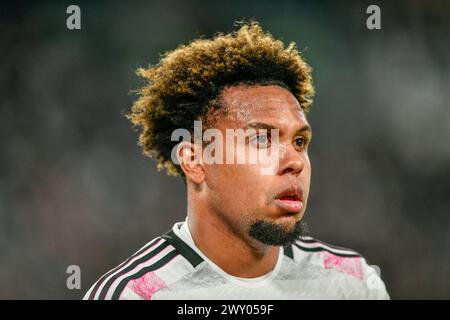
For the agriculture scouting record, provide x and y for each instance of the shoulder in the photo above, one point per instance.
(313, 245)
(148, 270)
(338, 260)
(319, 253)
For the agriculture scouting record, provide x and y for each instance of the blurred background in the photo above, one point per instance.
(75, 189)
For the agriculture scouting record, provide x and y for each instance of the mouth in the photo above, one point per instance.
(290, 200)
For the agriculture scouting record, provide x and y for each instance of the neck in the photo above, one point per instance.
(237, 255)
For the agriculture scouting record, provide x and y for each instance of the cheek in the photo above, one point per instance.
(235, 186)
(252, 189)
(225, 183)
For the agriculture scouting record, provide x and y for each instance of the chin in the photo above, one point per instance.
(287, 222)
(276, 231)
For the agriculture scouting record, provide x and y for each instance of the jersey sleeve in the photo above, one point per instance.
(376, 289)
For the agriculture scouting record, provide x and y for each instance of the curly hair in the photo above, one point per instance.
(187, 82)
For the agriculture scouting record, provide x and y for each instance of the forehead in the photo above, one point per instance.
(271, 104)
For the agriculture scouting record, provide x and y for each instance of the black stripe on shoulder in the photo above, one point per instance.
(160, 263)
(313, 240)
(100, 281)
(184, 249)
(288, 251)
(148, 256)
(318, 249)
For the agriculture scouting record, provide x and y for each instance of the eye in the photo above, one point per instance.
(300, 142)
(260, 140)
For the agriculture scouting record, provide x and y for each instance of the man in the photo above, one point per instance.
(243, 237)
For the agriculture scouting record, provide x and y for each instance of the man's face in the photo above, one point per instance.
(254, 204)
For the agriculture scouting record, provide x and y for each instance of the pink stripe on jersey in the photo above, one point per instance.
(123, 265)
(348, 265)
(138, 267)
(146, 285)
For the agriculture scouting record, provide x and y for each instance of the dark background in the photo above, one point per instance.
(75, 189)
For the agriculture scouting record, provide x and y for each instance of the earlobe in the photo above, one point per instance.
(189, 158)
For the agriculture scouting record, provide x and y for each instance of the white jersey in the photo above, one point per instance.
(172, 267)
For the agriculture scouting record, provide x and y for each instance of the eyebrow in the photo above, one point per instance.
(259, 125)
(305, 128)
(262, 125)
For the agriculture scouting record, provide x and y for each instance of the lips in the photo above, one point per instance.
(293, 197)
(290, 199)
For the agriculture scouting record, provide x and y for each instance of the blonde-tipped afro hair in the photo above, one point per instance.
(183, 86)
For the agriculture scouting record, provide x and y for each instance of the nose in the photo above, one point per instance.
(291, 162)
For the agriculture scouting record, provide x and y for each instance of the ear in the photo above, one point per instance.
(189, 156)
